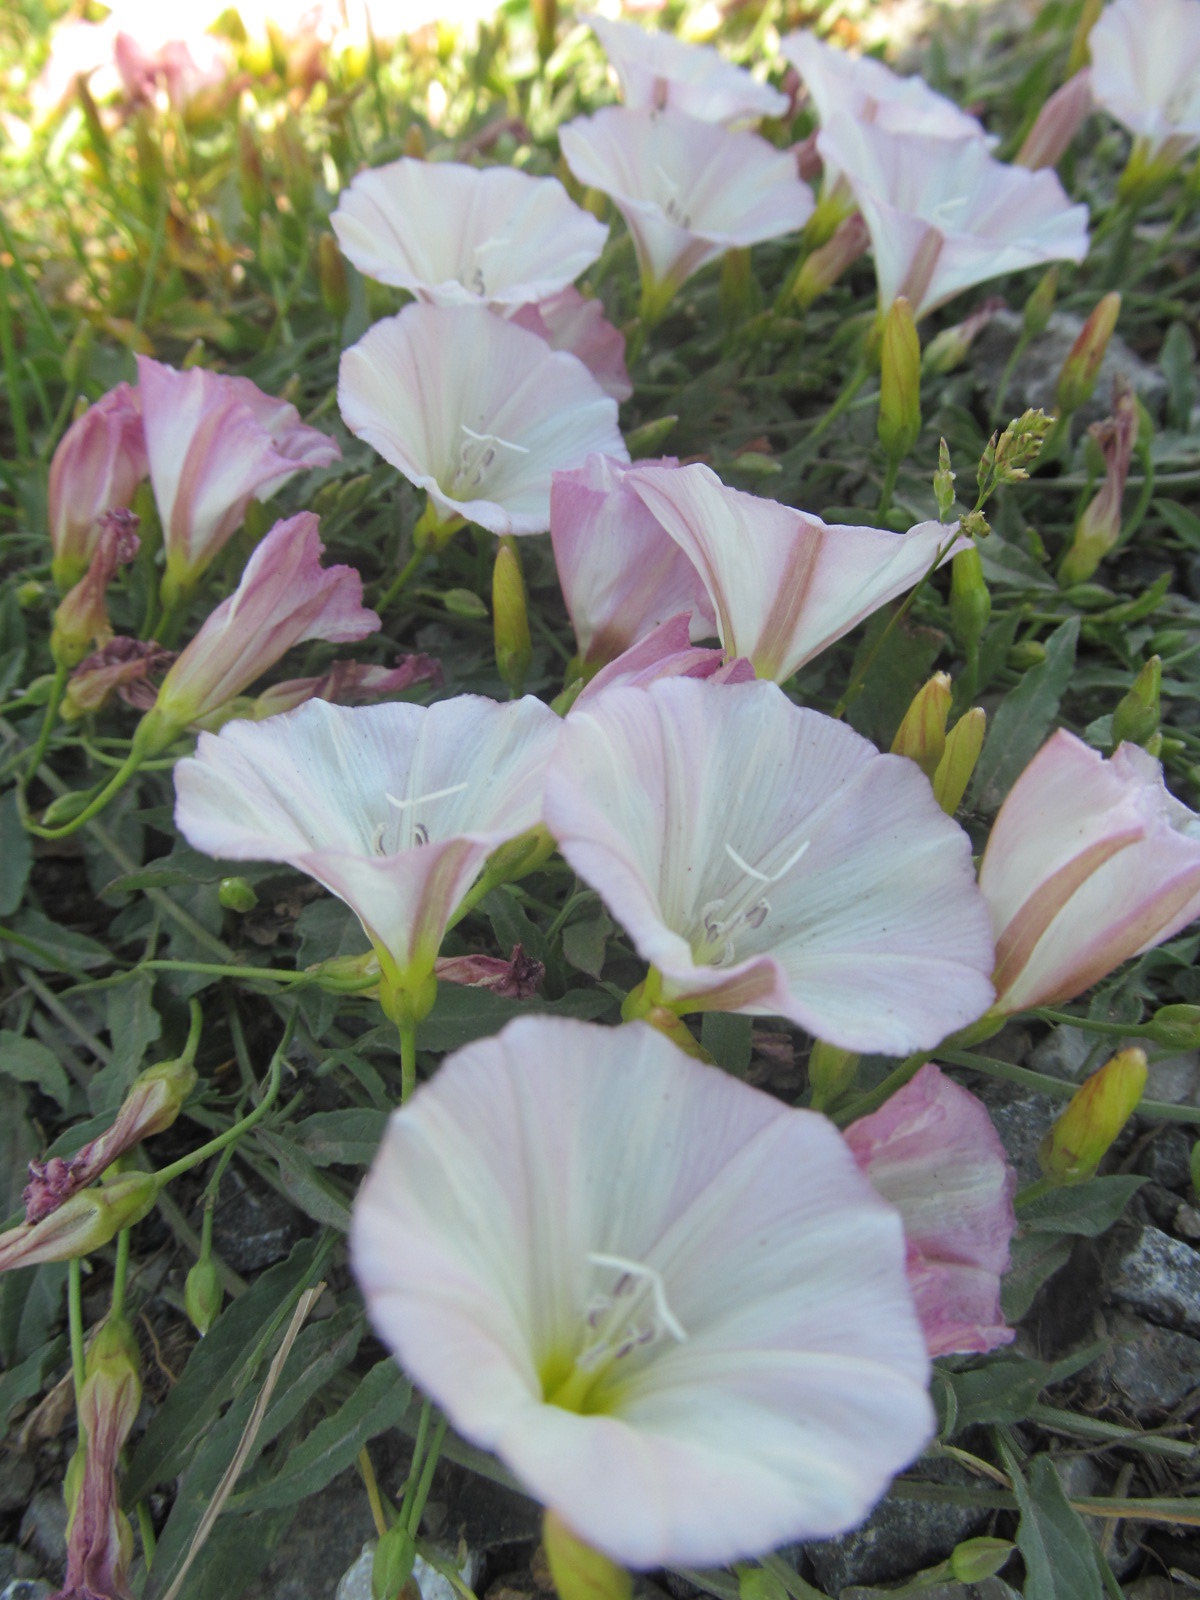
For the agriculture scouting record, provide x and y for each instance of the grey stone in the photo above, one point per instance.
(1036, 375)
(1165, 1159)
(1175, 1079)
(323, 1542)
(28, 1589)
(16, 1480)
(356, 1580)
(1064, 1053)
(16, 1563)
(1156, 1276)
(252, 1228)
(1021, 1119)
(898, 1537)
(989, 1589)
(44, 1527)
(1152, 1370)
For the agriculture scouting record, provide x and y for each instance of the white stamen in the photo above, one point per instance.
(494, 438)
(767, 877)
(652, 1280)
(422, 799)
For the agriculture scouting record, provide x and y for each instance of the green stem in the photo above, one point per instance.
(426, 1482)
(408, 1057)
(57, 689)
(1119, 1030)
(75, 1323)
(874, 1098)
(400, 581)
(1033, 1191)
(889, 486)
(120, 1272)
(12, 372)
(1056, 1088)
(1010, 366)
(96, 804)
(418, 1456)
(851, 387)
(146, 1529)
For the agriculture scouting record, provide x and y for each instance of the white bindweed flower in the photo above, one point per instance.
(657, 70)
(1146, 73)
(459, 235)
(783, 583)
(671, 1305)
(688, 190)
(475, 410)
(944, 214)
(765, 858)
(394, 808)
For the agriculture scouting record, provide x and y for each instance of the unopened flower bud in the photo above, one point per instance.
(203, 1295)
(899, 381)
(955, 769)
(235, 894)
(1040, 305)
(1082, 366)
(510, 618)
(83, 1223)
(822, 269)
(1135, 721)
(943, 483)
(739, 293)
(579, 1571)
(1059, 120)
(975, 1560)
(1096, 1113)
(82, 616)
(831, 1071)
(649, 438)
(392, 1566)
(921, 735)
(950, 348)
(331, 276)
(1176, 1027)
(970, 601)
(1099, 528)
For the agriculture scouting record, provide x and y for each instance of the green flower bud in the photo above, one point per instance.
(1082, 366)
(955, 769)
(970, 601)
(392, 1566)
(510, 618)
(579, 1572)
(235, 894)
(943, 483)
(1040, 305)
(1135, 721)
(974, 1560)
(831, 1071)
(1176, 1027)
(648, 439)
(203, 1295)
(899, 381)
(921, 735)
(331, 277)
(1082, 1134)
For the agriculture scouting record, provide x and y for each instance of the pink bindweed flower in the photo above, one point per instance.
(81, 619)
(98, 464)
(214, 444)
(944, 214)
(783, 584)
(284, 598)
(478, 412)
(1099, 528)
(347, 683)
(570, 321)
(622, 574)
(688, 190)
(1059, 120)
(764, 858)
(122, 666)
(1088, 863)
(1146, 74)
(394, 808)
(656, 70)
(518, 978)
(931, 1150)
(458, 235)
(671, 1305)
(81, 1222)
(666, 652)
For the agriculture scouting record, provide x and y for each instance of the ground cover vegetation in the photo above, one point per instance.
(633, 584)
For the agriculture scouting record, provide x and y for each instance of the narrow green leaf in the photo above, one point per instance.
(1089, 1209)
(16, 854)
(29, 1061)
(1060, 1559)
(1023, 721)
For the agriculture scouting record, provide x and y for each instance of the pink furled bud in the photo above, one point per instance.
(285, 597)
(950, 348)
(154, 1100)
(1059, 120)
(82, 1223)
(82, 615)
(348, 683)
(98, 465)
(518, 978)
(825, 265)
(933, 1152)
(1089, 862)
(99, 1538)
(215, 443)
(1099, 528)
(122, 666)
(570, 321)
(666, 653)
(1082, 366)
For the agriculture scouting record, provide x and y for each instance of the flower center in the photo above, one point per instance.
(476, 454)
(725, 918)
(630, 1312)
(404, 831)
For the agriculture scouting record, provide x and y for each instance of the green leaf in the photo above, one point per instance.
(378, 1403)
(18, 1146)
(1088, 1209)
(28, 1377)
(1178, 361)
(133, 1026)
(65, 950)
(29, 1061)
(903, 655)
(727, 1038)
(1184, 523)
(341, 1138)
(16, 854)
(1060, 1559)
(1000, 1391)
(316, 1196)
(1035, 1260)
(182, 867)
(30, 1308)
(461, 1014)
(584, 943)
(1020, 726)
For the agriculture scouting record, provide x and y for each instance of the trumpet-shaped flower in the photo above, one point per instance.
(1146, 72)
(944, 214)
(865, 89)
(214, 444)
(622, 574)
(570, 321)
(933, 1152)
(285, 597)
(98, 464)
(765, 858)
(478, 412)
(394, 808)
(656, 70)
(783, 584)
(671, 1305)
(688, 190)
(1088, 863)
(459, 235)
